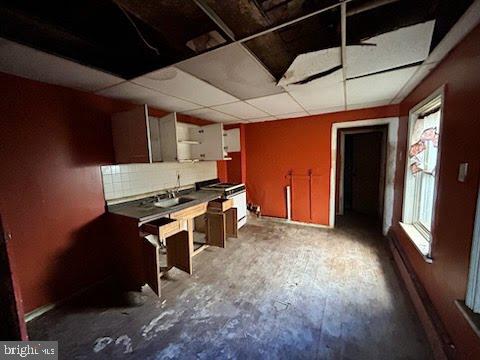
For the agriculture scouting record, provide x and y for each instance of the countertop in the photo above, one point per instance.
(143, 210)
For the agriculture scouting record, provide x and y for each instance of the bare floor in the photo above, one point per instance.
(277, 292)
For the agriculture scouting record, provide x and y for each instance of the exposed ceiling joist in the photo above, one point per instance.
(354, 10)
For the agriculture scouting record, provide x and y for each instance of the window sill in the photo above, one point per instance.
(472, 318)
(420, 242)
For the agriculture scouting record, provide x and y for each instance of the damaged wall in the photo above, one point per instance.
(445, 280)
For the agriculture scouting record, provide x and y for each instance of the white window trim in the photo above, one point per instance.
(420, 237)
(472, 299)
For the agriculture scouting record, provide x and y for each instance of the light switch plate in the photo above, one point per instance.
(462, 172)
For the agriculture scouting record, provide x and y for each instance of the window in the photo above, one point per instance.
(421, 171)
(473, 289)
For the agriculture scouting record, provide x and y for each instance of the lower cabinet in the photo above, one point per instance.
(160, 236)
(167, 237)
(220, 226)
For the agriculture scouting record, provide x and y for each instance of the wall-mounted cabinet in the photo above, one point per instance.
(232, 140)
(138, 137)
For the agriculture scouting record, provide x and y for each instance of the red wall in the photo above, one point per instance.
(53, 141)
(445, 279)
(275, 148)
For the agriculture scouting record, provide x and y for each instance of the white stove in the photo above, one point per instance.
(236, 192)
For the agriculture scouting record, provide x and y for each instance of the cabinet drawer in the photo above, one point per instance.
(220, 205)
(190, 213)
(162, 227)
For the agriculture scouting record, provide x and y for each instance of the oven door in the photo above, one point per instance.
(240, 202)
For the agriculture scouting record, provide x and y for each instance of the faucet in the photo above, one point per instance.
(171, 193)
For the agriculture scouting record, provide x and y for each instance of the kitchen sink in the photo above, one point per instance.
(166, 203)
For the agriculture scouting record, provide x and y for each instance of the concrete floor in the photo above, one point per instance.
(277, 292)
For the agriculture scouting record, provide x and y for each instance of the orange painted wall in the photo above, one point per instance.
(275, 148)
(445, 280)
(236, 168)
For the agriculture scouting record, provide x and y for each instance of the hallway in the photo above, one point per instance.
(278, 291)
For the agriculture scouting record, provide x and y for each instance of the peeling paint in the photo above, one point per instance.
(101, 343)
(154, 326)
(126, 341)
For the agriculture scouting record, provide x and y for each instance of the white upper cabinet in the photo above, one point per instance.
(232, 140)
(211, 143)
(140, 138)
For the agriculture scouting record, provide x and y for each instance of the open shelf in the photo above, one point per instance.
(189, 142)
(188, 160)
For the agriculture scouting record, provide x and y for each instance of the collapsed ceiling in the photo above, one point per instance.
(316, 51)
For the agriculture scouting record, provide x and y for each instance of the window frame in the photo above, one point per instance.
(421, 237)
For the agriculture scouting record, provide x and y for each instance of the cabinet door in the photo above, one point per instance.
(231, 227)
(211, 142)
(232, 140)
(178, 252)
(168, 137)
(131, 138)
(216, 235)
(155, 146)
(151, 265)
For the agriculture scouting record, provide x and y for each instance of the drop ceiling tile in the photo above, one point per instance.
(276, 104)
(141, 95)
(416, 78)
(37, 65)
(241, 110)
(267, 118)
(327, 110)
(323, 93)
(311, 63)
(175, 82)
(293, 115)
(368, 104)
(234, 70)
(393, 49)
(378, 88)
(212, 115)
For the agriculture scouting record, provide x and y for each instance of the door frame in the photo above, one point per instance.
(391, 165)
(341, 176)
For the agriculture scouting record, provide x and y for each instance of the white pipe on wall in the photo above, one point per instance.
(289, 203)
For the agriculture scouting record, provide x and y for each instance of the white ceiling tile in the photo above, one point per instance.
(292, 115)
(326, 92)
(327, 110)
(234, 70)
(393, 49)
(312, 63)
(368, 104)
(267, 118)
(379, 87)
(276, 104)
(37, 65)
(416, 78)
(175, 82)
(212, 115)
(141, 95)
(241, 110)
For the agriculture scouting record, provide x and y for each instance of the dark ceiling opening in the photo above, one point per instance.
(132, 37)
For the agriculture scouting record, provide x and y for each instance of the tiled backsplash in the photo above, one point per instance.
(121, 181)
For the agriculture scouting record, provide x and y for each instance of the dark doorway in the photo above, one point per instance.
(364, 171)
